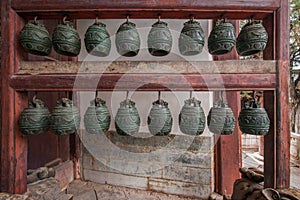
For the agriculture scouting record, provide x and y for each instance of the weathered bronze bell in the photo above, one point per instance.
(252, 39)
(35, 39)
(220, 119)
(192, 117)
(97, 117)
(160, 118)
(159, 39)
(128, 40)
(35, 119)
(127, 121)
(97, 40)
(222, 38)
(191, 40)
(253, 119)
(65, 117)
(66, 40)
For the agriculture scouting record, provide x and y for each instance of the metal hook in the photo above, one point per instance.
(159, 96)
(221, 96)
(191, 94)
(192, 18)
(159, 18)
(127, 19)
(97, 20)
(64, 20)
(35, 20)
(96, 94)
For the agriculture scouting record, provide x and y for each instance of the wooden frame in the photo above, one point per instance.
(14, 86)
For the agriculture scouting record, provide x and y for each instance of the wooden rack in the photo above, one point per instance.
(271, 75)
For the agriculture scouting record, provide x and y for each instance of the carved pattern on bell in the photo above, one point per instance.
(97, 117)
(128, 40)
(192, 39)
(159, 39)
(127, 120)
(222, 38)
(66, 40)
(220, 119)
(35, 39)
(65, 118)
(97, 40)
(192, 118)
(160, 119)
(252, 39)
(35, 119)
(253, 119)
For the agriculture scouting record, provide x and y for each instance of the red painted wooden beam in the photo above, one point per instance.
(148, 82)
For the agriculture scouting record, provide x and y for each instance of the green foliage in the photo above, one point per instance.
(295, 33)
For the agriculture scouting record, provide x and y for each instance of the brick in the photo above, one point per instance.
(180, 188)
(87, 161)
(116, 179)
(188, 174)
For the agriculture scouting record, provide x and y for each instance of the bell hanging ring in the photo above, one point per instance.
(220, 119)
(192, 118)
(222, 38)
(97, 40)
(65, 117)
(35, 119)
(252, 39)
(97, 117)
(66, 40)
(191, 40)
(35, 38)
(128, 39)
(127, 121)
(159, 39)
(160, 118)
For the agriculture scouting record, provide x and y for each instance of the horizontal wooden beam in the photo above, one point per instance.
(204, 9)
(141, 67)
(146, 82)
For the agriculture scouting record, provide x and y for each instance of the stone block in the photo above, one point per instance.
(180, 188)
(116, 179)
(86, 195)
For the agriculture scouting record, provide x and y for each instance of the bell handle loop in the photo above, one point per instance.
(64, 20)
(192, 18)
(191, 94)
(127, 19)
(35, 20)
(34, 100)
(96, 98)
(97, 22)
(127, 98)
(159, 97)
(159, 17)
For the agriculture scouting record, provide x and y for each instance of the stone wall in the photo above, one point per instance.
(174, 164)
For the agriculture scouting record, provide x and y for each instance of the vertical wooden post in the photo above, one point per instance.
(270, 105)
(228, 154)
(13, 144)
(282, 97)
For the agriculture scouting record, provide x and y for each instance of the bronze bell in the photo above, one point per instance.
(192, 117)
(66, 40)
(220, 119)
(97, 40)
(128, 40)
(35, 39)
(222, 38)
(191, 40)
(127, 121)
(252, 39)
(65, 118)
(97, 117)
(253, 119)
(159, 39)
(35, 119)
(160, 118)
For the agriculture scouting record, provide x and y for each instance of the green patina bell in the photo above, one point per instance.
(252, 39)
(128, 40)
(97, 117)
(222, 38)
(191, 40)
(97, 40)
(66, 40)
(159, 39)
(192, 117)
(220, 119)
(65, 117)
(127, 121)
(160, 118)
(253, 119)
(35, 39)
(35, 119)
